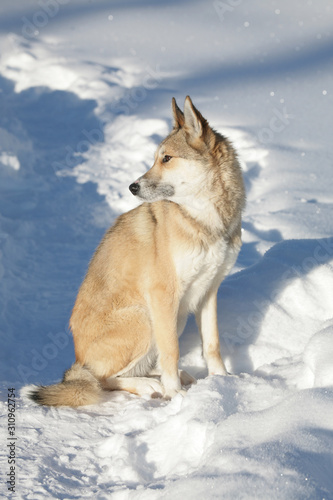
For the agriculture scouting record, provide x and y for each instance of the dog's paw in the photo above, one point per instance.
(216, 367)
(171, 385)
(168, 395)
(153, 387)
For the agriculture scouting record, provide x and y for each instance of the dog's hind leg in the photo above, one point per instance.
(135, 385)
(115, 343)
(185, 378)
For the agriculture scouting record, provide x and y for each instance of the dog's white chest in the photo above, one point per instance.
(198, 269)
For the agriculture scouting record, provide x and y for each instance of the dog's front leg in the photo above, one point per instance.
(164, 319)
(206, 318)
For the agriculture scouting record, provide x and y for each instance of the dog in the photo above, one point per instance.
(154, 266)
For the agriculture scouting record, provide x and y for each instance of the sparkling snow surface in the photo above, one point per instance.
(85, 97)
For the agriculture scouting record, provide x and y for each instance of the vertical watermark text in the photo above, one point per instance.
(11, 441)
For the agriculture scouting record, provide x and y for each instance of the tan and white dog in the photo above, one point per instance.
(158, 263)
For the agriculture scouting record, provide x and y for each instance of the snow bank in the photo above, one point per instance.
(85, 97)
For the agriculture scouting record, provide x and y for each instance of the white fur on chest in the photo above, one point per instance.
(198, 269)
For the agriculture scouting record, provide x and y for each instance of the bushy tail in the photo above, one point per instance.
(79, 387)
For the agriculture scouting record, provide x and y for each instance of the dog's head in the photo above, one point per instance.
(181, 160)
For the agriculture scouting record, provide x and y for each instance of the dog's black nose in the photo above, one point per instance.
(134, 188)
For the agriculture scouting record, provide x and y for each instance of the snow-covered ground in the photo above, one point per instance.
(85, 95)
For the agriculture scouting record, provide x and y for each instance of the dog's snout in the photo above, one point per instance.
(134, 188)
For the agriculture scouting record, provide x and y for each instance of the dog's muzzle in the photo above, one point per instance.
(134, 188)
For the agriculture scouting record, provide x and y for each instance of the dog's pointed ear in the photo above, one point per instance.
(198, 132)
(194, 121)
(178, 115)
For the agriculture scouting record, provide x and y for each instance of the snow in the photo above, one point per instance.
(85, 97)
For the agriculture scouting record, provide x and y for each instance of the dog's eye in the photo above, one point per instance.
(166, 158)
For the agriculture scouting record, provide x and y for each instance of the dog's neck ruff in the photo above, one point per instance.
(202, 212)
